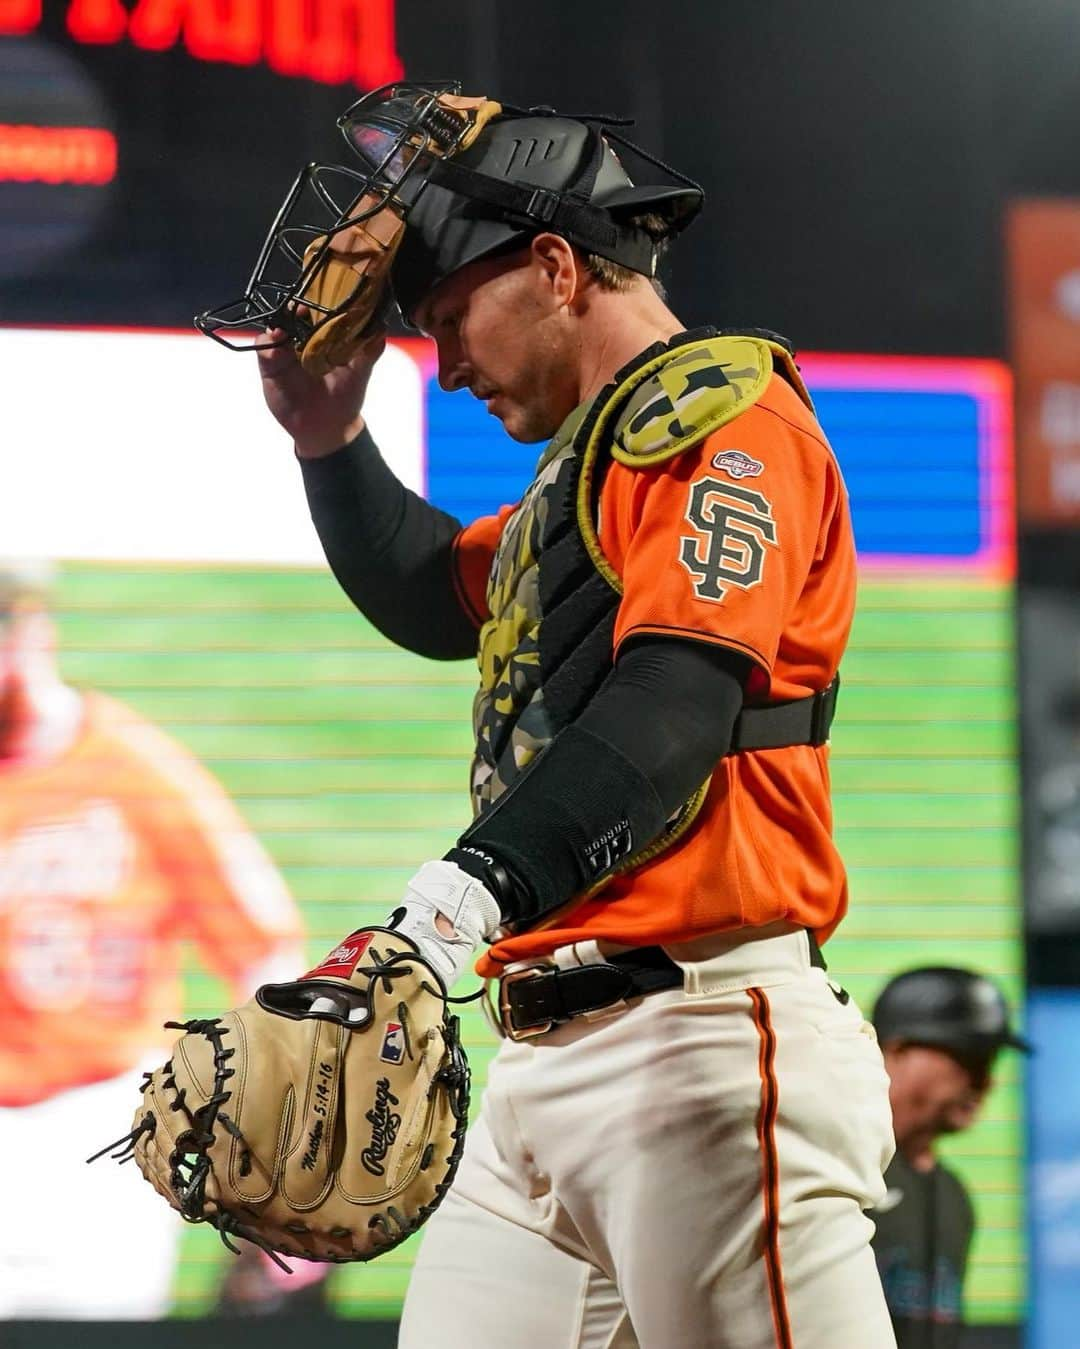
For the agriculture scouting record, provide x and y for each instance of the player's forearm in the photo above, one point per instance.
(607, 785)
(391, 551)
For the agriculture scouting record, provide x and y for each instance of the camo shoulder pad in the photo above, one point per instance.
(684, 395)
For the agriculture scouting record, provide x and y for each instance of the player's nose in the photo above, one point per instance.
(454, 370)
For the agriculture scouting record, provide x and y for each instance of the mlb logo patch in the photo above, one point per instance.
(393, 1043)
(737, 465)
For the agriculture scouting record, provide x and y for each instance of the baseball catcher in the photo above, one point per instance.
(325, 1118)
(685, 1120)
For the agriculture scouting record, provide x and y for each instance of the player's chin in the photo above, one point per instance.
(519, 424)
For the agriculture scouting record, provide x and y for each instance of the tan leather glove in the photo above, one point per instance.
(325, 1118)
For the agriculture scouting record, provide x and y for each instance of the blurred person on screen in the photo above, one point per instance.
(115, 846)
(941, 1030)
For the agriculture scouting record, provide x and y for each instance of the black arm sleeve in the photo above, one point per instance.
(391, 551)
(606, 785)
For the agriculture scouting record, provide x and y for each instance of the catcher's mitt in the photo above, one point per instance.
(324, 1119)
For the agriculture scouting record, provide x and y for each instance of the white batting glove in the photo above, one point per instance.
(467, 904)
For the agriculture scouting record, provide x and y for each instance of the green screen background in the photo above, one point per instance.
(349, 759)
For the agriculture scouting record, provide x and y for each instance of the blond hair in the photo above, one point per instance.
(613, 275)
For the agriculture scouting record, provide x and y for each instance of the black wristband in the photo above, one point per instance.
(491, 873)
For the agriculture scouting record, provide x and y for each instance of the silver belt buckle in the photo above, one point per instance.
(506, 1025)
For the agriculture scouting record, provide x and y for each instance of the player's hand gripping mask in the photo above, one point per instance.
(435, 181)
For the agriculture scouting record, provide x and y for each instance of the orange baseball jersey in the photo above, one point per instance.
(744, 540)
(108, 857)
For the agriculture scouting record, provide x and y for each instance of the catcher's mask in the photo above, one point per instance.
(435, 181)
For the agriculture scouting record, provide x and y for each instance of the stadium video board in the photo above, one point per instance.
(192, 589)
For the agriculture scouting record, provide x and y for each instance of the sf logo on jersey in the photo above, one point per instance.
(732, 527)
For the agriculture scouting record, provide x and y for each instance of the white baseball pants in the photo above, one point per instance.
(689, 1173)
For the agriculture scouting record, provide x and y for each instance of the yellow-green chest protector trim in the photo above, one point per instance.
(670, 404)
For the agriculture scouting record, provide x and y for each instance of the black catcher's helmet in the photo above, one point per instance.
(947, 1007)
(468, 178)
(525, 174)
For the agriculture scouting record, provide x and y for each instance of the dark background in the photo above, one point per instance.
(856, 157)
(857, 160)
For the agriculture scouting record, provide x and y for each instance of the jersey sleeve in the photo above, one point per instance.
(225, 892)
(474, 549)
(717, 544)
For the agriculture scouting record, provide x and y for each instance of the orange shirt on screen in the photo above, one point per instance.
(751, 550)
(109, 856)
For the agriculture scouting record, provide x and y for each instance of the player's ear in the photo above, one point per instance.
(559, 265)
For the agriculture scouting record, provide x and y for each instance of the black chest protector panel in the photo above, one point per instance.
(552, 594)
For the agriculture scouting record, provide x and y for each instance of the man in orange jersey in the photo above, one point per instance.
(115, 845)
(686, 1119)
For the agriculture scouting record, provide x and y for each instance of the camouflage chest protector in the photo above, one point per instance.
(552, 593)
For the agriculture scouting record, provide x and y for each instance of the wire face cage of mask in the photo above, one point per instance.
(394, 132)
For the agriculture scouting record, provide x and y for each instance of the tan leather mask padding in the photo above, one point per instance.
(479, 110)
(355, 271)
(354, 274)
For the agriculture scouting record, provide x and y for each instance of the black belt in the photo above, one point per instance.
(533, 1000)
